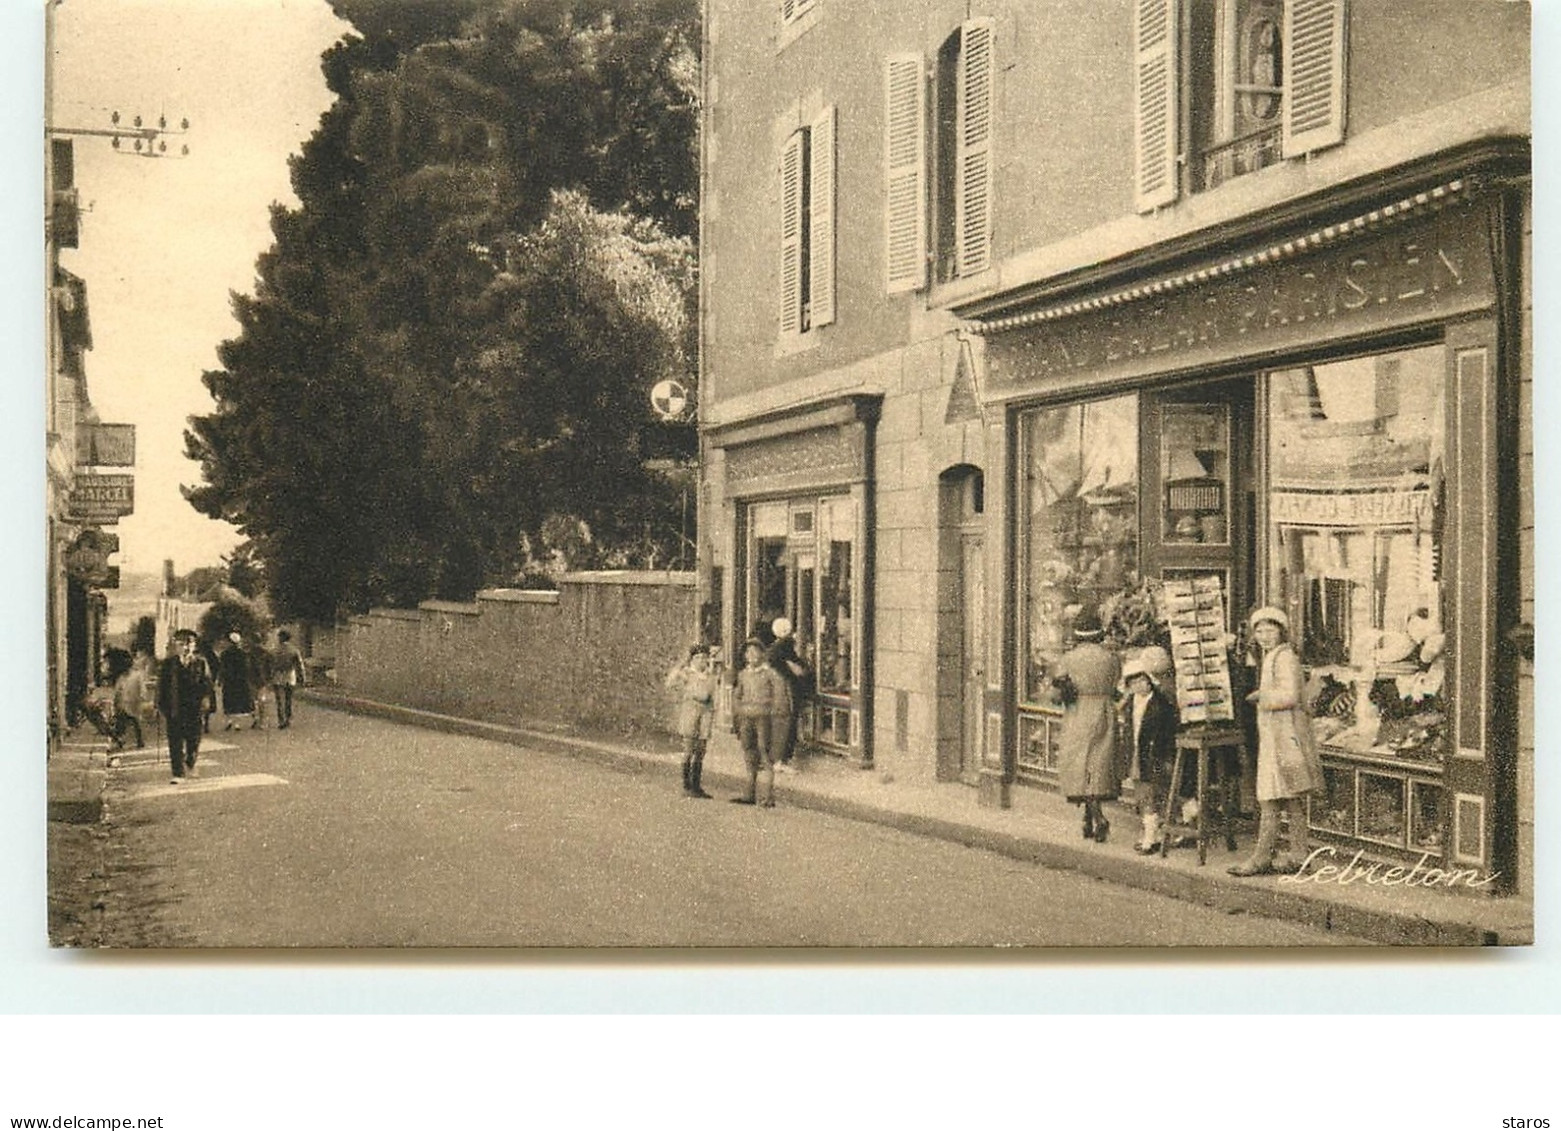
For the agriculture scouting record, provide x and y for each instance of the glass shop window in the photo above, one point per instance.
(1356, 507)
(1079, 512)
(771, 572)
(837, 522)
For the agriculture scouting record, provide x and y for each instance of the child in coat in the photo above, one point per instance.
(695, 685)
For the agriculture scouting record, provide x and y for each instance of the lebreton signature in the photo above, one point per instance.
(1374, 873)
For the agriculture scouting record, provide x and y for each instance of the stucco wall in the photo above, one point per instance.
(590, 656)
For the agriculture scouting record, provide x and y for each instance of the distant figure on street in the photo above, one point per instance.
(287, 672)
(209, 654)
(695, 684)
(755, 700)
(129, 691)
(259, 657)
(238, 694)
(184, 686)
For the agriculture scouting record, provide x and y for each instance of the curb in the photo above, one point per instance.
(1387, 927)
(75, 791)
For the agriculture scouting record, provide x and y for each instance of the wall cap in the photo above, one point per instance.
(519, 596)
(680, 578)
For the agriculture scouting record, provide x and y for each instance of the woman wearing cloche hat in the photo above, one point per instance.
(1086, 678)
(1287, 765)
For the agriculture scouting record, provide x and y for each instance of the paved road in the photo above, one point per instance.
(347, 831)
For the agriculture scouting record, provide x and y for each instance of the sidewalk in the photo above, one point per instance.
(78, 770)
(1043, 829)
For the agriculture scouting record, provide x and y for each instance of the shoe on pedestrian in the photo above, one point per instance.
(743, 801)
(176, 779)
(767, 803)
(700, 794)
(784, 768)
(191, 772)
(1147, 849)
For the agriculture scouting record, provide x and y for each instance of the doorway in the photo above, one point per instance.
(962, 625)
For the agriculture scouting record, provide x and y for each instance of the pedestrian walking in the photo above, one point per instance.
(184, 687)
(694, 683)
(238, 692)
(259, 658)
(287, 672)
(755, 699)
(209, 654)
(1287, 764)
(1085, 678)
(129, 693)
(791, 667)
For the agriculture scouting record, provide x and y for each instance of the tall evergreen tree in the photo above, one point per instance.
(453, 336)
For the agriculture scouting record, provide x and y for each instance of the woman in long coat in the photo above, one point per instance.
(1087, 769)
(238, 697)
(1287, 764)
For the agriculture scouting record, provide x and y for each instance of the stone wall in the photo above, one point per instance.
(590, 656)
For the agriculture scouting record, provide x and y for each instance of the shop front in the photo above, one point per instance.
(1328, 423)
(795, 525)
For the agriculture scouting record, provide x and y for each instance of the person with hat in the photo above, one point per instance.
(184, 686)
(695, 686)
(1086, 679)
(756, 699)
(1287, 764)
(238, 693)
(1148, 728)
(794, 670)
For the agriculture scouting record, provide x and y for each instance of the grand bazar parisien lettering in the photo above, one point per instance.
(1404, 276)
(1377, 874)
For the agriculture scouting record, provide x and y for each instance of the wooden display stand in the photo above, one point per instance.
(1201, 740)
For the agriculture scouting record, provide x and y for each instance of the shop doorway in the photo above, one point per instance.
(962, 623)
(1199, 506)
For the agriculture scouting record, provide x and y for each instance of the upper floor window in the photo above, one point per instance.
(961, 160)
(1227, 87)
(807, 226)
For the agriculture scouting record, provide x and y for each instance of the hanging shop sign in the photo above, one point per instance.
(1280, 298)
(106, 445)
(103, 499)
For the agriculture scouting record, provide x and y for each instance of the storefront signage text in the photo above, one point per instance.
(1435, 270)
(102, 498)
(1373, 508)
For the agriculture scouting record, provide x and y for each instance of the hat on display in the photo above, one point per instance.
(1086, 626)
(1270, 614)
(781, 628)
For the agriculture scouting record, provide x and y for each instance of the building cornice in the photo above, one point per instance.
(1275, 233)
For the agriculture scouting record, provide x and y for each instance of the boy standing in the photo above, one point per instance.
(759, 695)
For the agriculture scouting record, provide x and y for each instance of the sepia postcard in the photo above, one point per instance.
(706, 474)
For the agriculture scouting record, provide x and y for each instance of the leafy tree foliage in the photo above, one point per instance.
(229, 615)
(447, 358)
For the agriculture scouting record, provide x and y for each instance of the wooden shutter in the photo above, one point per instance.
(791, 235)
(905, 171)
(1155, 104)
(1314, 69)
(821, 217)
(973, 197)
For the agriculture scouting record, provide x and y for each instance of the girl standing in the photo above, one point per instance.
(1086, 678)
(1287, 765)
(695, 685)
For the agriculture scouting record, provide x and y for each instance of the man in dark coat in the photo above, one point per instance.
(184, 686)
(783, 657)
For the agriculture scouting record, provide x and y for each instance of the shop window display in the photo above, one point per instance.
(1356, 506)
(1080, 523)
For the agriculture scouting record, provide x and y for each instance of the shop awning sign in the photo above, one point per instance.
(106, 445)
(102, 498)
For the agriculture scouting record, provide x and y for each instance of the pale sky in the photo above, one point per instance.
(164, 241)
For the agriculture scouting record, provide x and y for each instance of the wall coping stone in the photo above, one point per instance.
(682, 578)
(392, 614)
(522, 596)
(461, 607)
